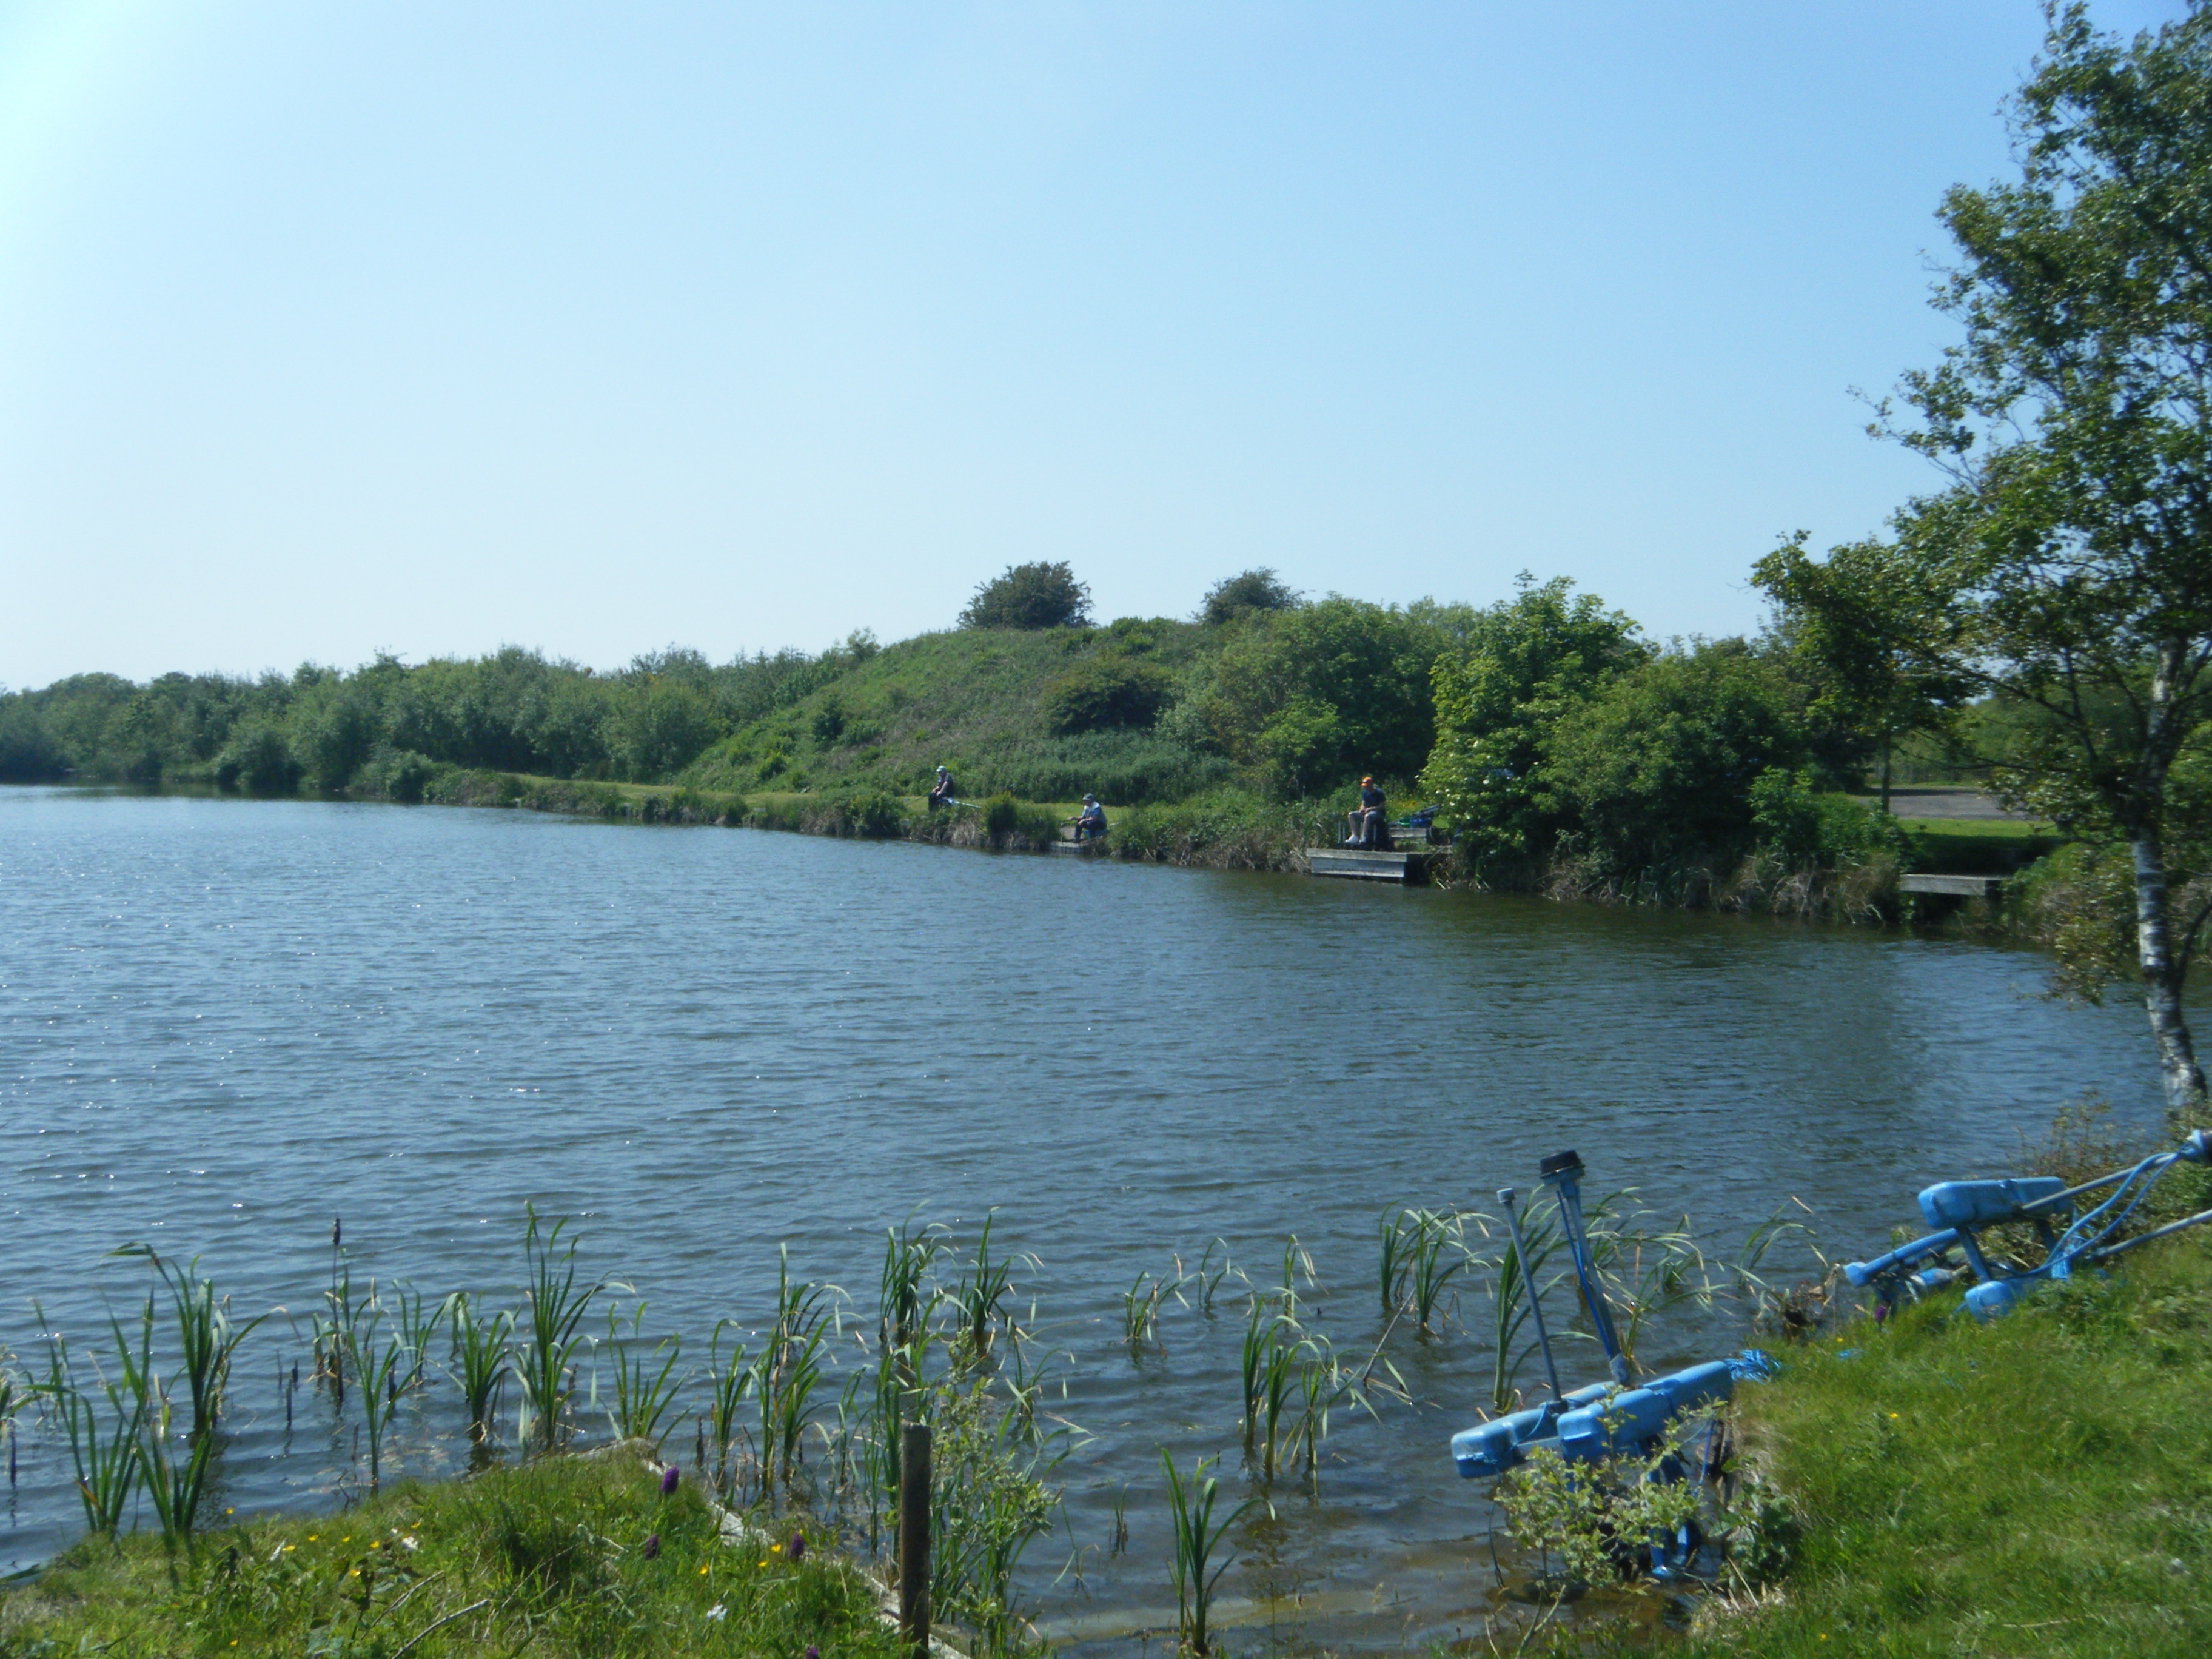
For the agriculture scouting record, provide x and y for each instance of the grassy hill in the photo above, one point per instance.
(992, 704)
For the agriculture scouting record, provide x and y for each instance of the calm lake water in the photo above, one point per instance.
(221, 1023)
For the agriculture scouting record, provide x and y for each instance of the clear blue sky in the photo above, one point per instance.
(327, 328)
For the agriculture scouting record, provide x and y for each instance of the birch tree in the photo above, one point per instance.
(2065, 568)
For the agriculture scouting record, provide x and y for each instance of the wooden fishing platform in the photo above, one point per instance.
(1980, 887)
(1409, 863)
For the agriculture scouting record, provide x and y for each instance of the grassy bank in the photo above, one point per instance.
(2039, 1486)
(559, 1556)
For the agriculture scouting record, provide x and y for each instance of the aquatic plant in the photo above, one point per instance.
(207, 1336)
(104, 1446)
(15, 1393)
(1197, 1537)
(789, 1369)
(1395, 1263)
(644, 1396)
(909, 1258)
(418, 1319)
(729, 1380)
(989, 1500)
(555, 1307)
(982, 1295)
(176, 1484)
(1140, 1315)
(479, 1359)
(379, 1362)
(1508, 1278)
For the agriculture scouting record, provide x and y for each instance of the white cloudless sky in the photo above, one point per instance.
(332, 329)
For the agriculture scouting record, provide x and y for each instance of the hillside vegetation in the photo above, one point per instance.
(1565, 750)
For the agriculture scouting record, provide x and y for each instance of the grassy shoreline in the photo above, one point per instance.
(2035, 1486)
(560, 1556)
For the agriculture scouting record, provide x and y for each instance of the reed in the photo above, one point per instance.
(207, 1336)
(176, 1484)
(1140, 1315)
(378, 1363)
(729, 1380)
(644, 1396)
(1197, 1537)
(1209, 1277)
(104, 1446)
(1509, 1301)
(982, 1295)
(479, 1359)
(554, 1308)
(418, 1319)
(789, 1369)
(1438, 1252)
(1396, 1261)
(14, 1394)
(910, 1257)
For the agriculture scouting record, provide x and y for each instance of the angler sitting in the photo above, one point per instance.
(1366, 820)
(940, 793)
(1091, 822)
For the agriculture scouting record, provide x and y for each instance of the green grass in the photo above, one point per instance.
(549, 1558)
(2038, 1485)
(972, 699)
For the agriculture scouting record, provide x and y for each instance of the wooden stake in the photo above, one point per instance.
(913, 1540)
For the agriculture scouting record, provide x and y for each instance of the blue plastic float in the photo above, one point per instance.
(1603, 1419)
(1960, 1210)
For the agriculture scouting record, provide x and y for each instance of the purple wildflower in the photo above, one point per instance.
(797, 1550)
(668, 1477)
(651, 1545)
(813, 1652)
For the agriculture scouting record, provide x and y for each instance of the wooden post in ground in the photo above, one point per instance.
(913, 1540)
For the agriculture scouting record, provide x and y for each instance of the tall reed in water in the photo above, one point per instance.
(479, 1358)
(1198, 1536)
(1509, 1277)
(15, 1391)
(789, 1369)
(207, 1336)
(103, 1447)
(1395, 1262)
(1140, 1315)
(379, 1364)
(554, 1308)
(909, 1256)
(982, 1295)
(176, 1484)
(644, 1396)
(728, 1382)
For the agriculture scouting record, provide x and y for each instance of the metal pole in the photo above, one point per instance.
(913, 1540)
(1505, 1196)
(1562, 1172)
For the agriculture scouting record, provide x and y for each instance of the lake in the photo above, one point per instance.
(223, 1023)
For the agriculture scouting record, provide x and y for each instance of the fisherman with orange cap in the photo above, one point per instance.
(1367, 819)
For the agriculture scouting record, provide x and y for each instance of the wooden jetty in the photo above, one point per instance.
(1981, 887)
(1410, 862)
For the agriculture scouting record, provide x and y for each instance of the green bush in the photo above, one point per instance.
(1804, 826)
(1106, 692)
(398, 775)
(1030, 596)
(258, 760)
(1656, 768)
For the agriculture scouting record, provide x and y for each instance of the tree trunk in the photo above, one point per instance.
(1885, 773)
(2162, 973)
